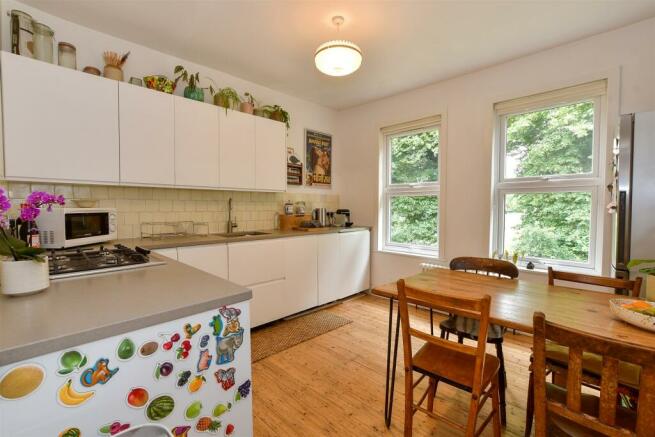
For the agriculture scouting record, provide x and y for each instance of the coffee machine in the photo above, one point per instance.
(342, 218)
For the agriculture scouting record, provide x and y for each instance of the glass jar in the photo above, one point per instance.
(66, 55)
(43, 41)
(21, 33)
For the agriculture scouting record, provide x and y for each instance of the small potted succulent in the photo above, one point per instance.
(24, 268)
(192, 90)
(277, 113)
(247, 104)
(227, 98)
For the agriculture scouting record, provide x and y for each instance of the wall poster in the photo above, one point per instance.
(318, 154)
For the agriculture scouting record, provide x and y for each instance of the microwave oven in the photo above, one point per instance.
(70, 227)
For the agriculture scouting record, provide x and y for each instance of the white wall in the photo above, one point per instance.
(625, 56)
(144, 61)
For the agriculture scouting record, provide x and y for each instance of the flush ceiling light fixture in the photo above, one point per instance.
(338, 57)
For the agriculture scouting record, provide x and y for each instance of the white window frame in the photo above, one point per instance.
(591, 182)
(389, 190)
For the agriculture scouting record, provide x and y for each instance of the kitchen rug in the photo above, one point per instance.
(282, 335)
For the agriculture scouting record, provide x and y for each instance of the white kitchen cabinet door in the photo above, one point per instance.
(270, 155)
(301, 291)
(59, 124)
(210, 258)
(170, 252)
(237, 149)
(256, 262)
(196, 143)
(267, 303)
(354, 254)
(147, 144)
(329, 268)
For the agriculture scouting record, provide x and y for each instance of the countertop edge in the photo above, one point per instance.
(32, 350)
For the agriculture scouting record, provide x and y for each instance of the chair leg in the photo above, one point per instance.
(495, 403)
(432, 391)
(409, 403)
(529, 408)
(502, 377)
(472, 420)
(460, 339)
(443, 333)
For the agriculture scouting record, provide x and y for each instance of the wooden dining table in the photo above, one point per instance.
(513, 304)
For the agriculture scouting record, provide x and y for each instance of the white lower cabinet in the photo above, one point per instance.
(211, 258)
(287, 275)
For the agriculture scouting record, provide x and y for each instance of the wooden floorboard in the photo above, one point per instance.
(333, 385)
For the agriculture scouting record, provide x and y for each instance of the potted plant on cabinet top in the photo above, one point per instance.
(192, 90)
(24, 269)
(648, 272)
(277, 113)
(227, 98)
(248, 104)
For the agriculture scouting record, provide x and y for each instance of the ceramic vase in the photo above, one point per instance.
(247, 107)
(23, 277)
(112, 72)
(194, 94)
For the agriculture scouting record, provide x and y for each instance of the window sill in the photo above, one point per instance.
(434, 256)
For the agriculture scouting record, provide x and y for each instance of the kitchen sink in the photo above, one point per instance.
(241, 234)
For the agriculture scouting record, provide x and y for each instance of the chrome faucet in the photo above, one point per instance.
(231, 224)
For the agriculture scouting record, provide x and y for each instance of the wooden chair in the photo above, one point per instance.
(462, 366)
(557, 355)
(464, 328)
(567, 411)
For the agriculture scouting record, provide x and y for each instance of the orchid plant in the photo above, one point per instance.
(13, 247)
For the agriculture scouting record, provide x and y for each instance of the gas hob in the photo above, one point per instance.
(77, 262)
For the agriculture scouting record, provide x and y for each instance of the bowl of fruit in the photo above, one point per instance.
(640, 313)
(160, 83)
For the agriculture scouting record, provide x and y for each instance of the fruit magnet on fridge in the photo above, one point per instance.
(190, 330)
(204, 360)
(183, 378)
(229, 430)
(169, 340)
(113, 428)
(207, 424)
(69, 397)
(21, 381)
(163, 369)
(100, 373)
(243, 391)
(193, 410)
(138, 397)
(231, 316)
(225, 377)
(196, 383)
(71, 432)
(182, 352)
(221, 409)
(160, 407)
(204, 341)
(181, 431)
(126, 349)
(71, 361)
(148, 348)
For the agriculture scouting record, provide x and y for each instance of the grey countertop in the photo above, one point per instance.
(75, 311)
(199, 240)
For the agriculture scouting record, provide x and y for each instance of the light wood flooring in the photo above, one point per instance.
(333, 385)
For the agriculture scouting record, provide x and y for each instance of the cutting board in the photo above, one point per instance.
(289, 222)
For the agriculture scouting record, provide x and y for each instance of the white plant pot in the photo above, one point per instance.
(23, 277)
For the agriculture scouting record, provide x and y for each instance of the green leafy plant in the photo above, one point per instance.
(647, 270)
(227, 98)
(276, 112)
(247, 97)
(192, 80)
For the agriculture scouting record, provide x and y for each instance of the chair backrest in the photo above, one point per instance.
(611, 352)
(632, 287)
(486, 265)
(477, 309)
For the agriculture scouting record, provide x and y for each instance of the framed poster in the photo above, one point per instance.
(318, 155)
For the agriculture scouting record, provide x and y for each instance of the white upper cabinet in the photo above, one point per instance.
(270, 155)
(59, 124)
(237, 149)
(147, 145)
(196, 144)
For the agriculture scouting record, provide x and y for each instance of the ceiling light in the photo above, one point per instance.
(338, 57)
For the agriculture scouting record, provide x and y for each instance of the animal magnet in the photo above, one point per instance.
(225, 377)
(217, 325)
(98, 374)
(231, 316)
(190, 330)
(204, 360)
(227, 346)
